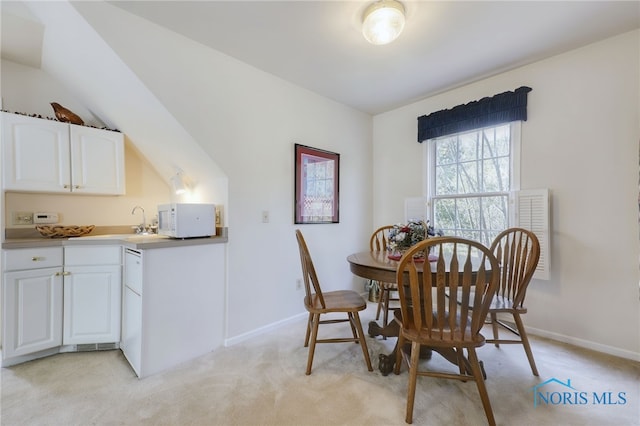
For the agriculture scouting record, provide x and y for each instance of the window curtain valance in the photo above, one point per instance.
(500, 108)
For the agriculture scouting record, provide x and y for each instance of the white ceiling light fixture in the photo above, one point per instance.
(383, 21)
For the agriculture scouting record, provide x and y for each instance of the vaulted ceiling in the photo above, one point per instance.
(318, 44)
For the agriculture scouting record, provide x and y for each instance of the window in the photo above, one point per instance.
(470, 176)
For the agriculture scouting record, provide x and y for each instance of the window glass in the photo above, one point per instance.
(470, 177)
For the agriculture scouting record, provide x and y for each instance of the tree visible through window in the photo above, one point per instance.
(470, 178)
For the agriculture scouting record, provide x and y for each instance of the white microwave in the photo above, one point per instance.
(187, 220)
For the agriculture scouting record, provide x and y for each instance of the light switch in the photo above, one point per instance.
(22, 218)
(265, 216)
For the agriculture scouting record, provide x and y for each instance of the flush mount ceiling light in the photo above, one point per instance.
(383, 21)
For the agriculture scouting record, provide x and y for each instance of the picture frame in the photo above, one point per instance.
(317, 184)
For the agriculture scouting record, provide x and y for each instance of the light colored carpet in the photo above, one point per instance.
(262, 382)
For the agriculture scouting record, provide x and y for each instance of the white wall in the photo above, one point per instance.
(76, 56)
(581, 141)
(248, 121)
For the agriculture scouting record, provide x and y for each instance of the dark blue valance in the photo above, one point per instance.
(501, 108)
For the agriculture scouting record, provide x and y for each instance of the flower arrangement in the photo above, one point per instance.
(403, 236)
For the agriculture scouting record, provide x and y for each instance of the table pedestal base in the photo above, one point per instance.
(387, 362)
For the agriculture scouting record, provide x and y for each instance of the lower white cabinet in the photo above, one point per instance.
(168, 307)
(31, 301)
(53, 297)
(173, 305)
(92, 295)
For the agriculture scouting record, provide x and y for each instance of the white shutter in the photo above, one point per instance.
(415, 209)
(532, 213)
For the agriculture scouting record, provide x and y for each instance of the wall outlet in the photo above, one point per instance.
(299, 284)
(265, 216)
(218, 216)
(22, 218)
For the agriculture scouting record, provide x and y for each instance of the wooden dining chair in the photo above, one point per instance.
(319, 303)
(518, 253)
(428, 318)
(379, 241)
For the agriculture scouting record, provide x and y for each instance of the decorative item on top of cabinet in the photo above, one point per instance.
(65, 115)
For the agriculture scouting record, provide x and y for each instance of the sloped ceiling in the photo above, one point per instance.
(76, 56)
(318, 45)
(21, 36)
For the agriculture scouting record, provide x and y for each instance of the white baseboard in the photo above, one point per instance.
(258, 331)
(587, 344)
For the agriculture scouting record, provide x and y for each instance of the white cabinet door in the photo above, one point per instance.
(91, 304)
(36, 154)
(131, 342)
(97, 160)
(92, 294)
(32, 311)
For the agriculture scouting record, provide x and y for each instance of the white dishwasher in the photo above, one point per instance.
(131, 342)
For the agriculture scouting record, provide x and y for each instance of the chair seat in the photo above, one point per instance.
(437, 339)
(336, 301)
(502, 304)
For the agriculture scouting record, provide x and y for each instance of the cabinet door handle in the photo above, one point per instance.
(65, 273)
(76, 186)
(37, 258)
(65, 186)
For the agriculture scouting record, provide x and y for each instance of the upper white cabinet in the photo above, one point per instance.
(42, 155)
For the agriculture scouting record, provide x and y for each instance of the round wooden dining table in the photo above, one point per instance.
(376, 265)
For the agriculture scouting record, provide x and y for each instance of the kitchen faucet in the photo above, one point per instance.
(141, 229)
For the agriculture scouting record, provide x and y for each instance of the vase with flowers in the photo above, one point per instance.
(403, 236)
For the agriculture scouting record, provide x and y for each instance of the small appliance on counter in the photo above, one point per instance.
(187, 220)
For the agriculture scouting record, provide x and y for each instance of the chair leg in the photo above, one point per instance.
(306, 337)
(354, 332)
(461, 363)
(363, 342)
(385, 297)
(380, 299)
(314, 337)
(385, 312)
(482, 389)
(494, 326)
(413, 376)
(399, 346)
(525, 343)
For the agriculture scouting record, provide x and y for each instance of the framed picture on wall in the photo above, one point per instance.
(317, 178)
